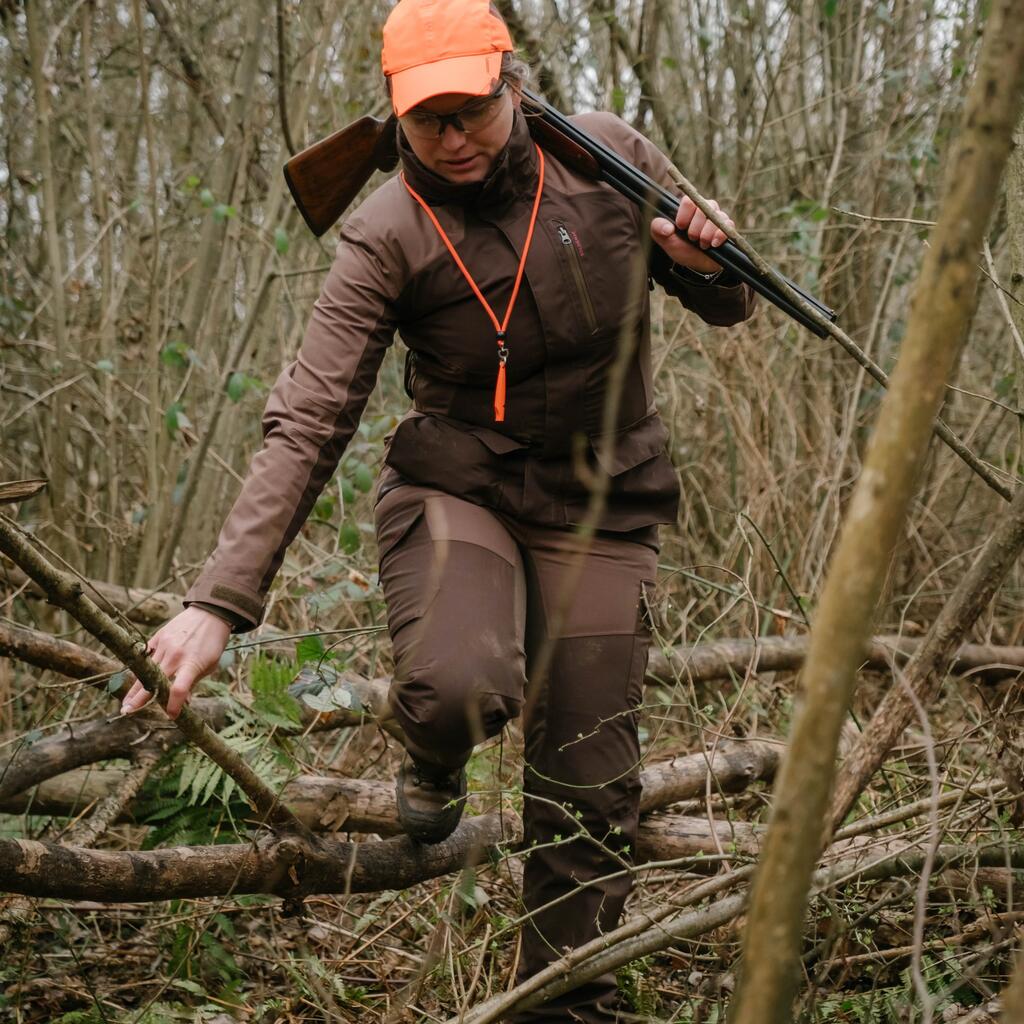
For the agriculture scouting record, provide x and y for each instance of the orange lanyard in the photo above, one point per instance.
(499, 328)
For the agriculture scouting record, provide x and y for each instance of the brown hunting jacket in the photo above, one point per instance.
(586, 285)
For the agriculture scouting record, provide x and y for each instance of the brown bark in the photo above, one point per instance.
(17, 912)
(733, 768)
(320, 802)
(721, 659)
(136, 604)
(77, 745)
(942, 303)
(44, 651)
(290, 866)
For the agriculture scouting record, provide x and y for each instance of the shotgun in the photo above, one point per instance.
(327, 176)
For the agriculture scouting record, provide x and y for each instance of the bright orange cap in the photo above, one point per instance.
(437, 46)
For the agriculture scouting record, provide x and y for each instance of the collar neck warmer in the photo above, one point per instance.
(514, 173)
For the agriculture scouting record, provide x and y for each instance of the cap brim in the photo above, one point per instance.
(475, 75)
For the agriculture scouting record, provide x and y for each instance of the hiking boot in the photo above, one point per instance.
(430, 799)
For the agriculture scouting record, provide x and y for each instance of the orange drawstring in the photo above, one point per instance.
(499, 328)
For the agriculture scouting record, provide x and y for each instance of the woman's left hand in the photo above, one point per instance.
(702, 233)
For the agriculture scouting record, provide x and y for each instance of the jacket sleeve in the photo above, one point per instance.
(310, 416)
(724, 302)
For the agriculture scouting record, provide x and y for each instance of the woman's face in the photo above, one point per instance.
(458, 156)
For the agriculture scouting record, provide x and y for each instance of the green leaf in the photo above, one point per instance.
(115, 682)
(281, 241)
(105, 365)
(189, 986)
(830, 7)
(192, 182)
(237, 386)
(1004, 387)
(206, 198)
(331, 698)
(175, 353)
(222, 212)
(310, 648)
(324, 507)
(348, 492)
(349, 539)
(175, 418)
(362, 478)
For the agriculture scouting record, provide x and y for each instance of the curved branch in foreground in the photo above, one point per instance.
(289, 866)
(65, 591)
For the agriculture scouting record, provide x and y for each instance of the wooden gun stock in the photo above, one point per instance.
(325, 177)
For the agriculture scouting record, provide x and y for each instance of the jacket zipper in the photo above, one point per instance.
(577, 274)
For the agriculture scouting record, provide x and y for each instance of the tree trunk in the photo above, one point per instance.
(942, 302)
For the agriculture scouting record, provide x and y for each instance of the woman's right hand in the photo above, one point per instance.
(187, 648)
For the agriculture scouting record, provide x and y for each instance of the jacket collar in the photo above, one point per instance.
(514, 173)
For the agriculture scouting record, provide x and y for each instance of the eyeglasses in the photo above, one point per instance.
(472, 117)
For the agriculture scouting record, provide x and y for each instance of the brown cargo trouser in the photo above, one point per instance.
(470, 595)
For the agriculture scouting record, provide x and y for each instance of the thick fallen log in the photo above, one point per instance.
(722, 659)
(735, 765)
(365, 805)
(41, 650)
(290, 866)
(145, 607)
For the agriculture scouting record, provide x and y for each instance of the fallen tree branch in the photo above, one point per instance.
(290, 866)
(145, 607)
(358, 805)
(697, 663)
(41, 650)
(724, 659)
(17, 912)
(82, 744)
(733, 767)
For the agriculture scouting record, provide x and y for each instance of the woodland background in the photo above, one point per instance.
(154, 279)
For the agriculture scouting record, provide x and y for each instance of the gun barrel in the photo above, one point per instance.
(631, 182)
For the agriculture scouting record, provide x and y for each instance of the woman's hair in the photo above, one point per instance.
(515, 71)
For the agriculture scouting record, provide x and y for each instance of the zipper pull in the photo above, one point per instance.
(563, 235)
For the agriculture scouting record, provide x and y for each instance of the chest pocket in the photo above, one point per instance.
(601, 261)
(575, 276)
